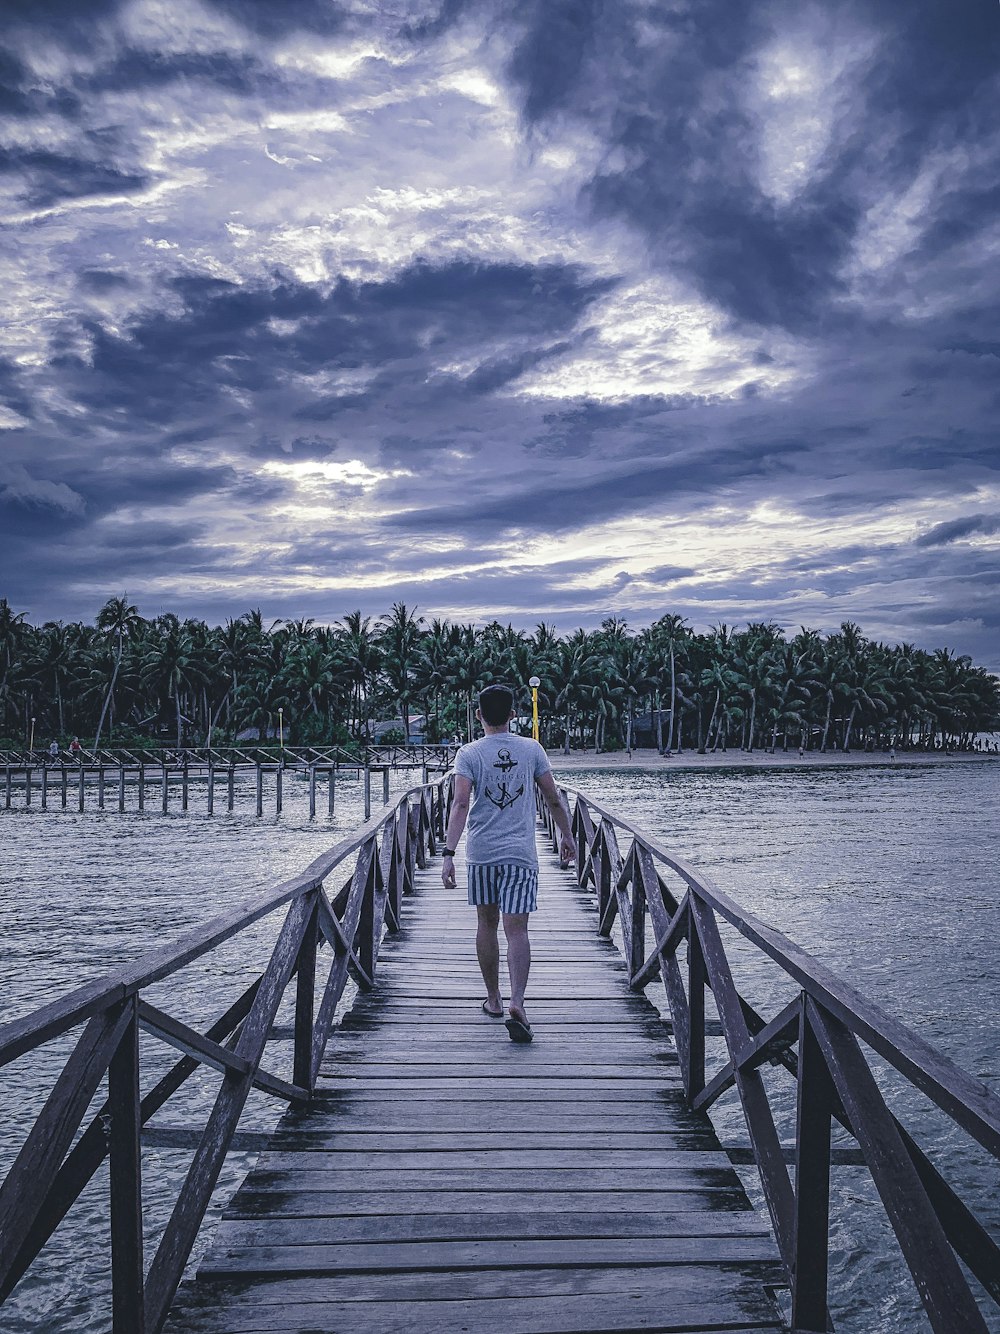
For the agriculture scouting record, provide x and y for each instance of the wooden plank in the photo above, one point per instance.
(634, 1181)
(392, 1228)
(596, 1253)
(518, 1161)
(249, 1202)
(640, 1300)
(456, 1141)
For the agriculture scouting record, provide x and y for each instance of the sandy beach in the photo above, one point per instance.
(758, 759)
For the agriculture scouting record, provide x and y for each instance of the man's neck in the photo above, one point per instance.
(495, 731)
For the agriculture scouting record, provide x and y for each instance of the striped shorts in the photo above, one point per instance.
(514, 888)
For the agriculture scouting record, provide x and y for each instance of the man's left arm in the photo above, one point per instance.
(456, 826)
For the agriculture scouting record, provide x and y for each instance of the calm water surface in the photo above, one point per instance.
(889, 875)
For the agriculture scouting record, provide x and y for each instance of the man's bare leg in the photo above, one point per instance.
(488, 953)
(515, 928)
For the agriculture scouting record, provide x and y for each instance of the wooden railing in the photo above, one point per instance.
(51, 1169)
(248, 753)
(817, 1038)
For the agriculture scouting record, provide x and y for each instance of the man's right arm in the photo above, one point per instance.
(553, 798)
(456, 825)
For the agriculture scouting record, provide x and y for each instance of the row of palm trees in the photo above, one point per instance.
(126, 676)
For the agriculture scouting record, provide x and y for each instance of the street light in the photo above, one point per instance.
(281, 728)
(31, 743)
(534, 683)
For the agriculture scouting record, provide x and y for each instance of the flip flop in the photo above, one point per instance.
(518, 1032)
(489, 1013)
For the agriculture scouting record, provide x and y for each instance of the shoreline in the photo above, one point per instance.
(737, 759)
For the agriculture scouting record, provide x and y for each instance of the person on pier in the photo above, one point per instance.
(495, 780)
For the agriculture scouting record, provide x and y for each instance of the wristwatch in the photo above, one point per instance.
(447, 852)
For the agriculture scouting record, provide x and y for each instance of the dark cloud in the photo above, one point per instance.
(55, 15)
(48, 177)
(101, 281)
(227, 336)
(324, 17)
(550, 58)
(954, 529)
(587, 499)
(12, 388)
(142, 68)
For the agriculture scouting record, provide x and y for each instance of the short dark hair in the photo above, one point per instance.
(496, 704)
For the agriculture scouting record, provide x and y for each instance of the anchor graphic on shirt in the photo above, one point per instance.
(503, 760)
(506, 797)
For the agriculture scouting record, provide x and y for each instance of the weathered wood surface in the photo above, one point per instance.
(446, 1179)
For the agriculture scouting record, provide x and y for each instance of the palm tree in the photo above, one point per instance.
(170, 665)
(669, 635)
(117, 618)
(630, 670)
(756, 646)
(580, 669)
(399, 633)
(363, 659)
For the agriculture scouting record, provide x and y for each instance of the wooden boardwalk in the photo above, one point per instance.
(445, 1179)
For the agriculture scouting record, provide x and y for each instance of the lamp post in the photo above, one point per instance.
(31, 743)
(281, 727)
(534, 683)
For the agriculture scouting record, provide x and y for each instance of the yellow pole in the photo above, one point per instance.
(534, 683)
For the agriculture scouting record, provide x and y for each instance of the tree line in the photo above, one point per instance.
(126, 677)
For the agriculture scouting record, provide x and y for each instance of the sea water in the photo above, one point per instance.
(887, 874)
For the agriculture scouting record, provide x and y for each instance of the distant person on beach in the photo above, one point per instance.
(54, 751)
(497, 775)
(74, 747)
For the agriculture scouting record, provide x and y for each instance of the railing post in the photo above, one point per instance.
(365, 942)
(260, 789)
(45, 788)
(312, 790)
(121, 787)
(331, 792)
(810, 1246)
(27, 785)
(417, 828)
(305, 993)
(368, 792)
(397, 882)
(638, 952)
(81, 786)
(428, 797)
(231, 785)
(64, 793)
(605, 890)
(412, 842)
(125, 1160)
(142, 787)
(697, 979)
(385, 786)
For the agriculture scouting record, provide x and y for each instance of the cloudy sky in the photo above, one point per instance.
(518, 308)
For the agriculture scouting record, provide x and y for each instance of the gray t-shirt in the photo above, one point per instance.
(502, 768)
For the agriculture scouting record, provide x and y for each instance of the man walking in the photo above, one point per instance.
(497, 775)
